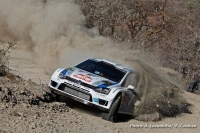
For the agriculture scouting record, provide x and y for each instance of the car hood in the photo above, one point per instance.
(89, 78)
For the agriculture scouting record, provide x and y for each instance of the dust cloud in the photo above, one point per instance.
(54, 30)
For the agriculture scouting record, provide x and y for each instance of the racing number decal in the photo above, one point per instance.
(83, 77)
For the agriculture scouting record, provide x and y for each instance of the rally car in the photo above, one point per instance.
(101, 83)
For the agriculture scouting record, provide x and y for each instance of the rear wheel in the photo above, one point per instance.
(112, 114)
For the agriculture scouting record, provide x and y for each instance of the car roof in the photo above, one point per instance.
(119, 66)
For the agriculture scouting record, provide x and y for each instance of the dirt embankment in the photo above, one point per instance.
(28, 107)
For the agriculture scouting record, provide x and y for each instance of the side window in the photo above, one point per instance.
(130, 80)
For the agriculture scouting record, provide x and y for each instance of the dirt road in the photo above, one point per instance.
(75, 117)
(21, 63)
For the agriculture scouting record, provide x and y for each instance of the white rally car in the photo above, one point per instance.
(100, 83)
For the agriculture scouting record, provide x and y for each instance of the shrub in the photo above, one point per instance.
(4, 60)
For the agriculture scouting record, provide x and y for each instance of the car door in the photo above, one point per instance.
(128, 98)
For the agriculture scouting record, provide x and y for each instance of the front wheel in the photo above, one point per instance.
(112, 114)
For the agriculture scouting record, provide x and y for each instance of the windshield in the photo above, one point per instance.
(102, 69)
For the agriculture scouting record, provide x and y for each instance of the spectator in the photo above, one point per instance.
(194, 84)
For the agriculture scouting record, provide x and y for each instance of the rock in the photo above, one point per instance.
(21, 114)
(26, 85)
(24, 104)
(16, 88)
(3, 106)
(117, 131)
(37, 95)
(1, 86)
(16, 121)
(22, 92)
(1, 131)
(32, 126)
(36, 115)
(33, 101)
(25, 92)
(149, 117)
(7, 91)
(29, 81)
(59, 107)
(14, 113)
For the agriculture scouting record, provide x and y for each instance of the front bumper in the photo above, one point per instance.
(82, 94)
(60, 92)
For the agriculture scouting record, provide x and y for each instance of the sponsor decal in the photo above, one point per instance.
(64, 72)
(73, 68)
(83, 77)
(106, 84)
(96, 72)
(96, 100)
(114, 83)
(91, 75)
(81, 71)
(102, 86)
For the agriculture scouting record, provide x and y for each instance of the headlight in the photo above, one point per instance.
(62, 74)
(103, 90)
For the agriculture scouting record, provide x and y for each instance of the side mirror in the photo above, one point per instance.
(131, 87)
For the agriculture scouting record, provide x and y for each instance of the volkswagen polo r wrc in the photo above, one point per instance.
(100, 83)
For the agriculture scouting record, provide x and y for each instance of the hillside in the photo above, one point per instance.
(167, 29)
(158, 39)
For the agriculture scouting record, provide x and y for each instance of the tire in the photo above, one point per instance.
(112, 114)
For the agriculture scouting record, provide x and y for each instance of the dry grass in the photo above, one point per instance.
(4, 61)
